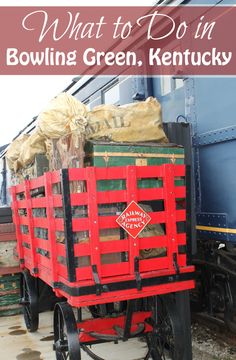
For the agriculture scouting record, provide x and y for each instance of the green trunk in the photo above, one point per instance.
(102, 154)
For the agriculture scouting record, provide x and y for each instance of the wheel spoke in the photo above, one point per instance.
(29, 302)
(166, 342)
(66, 340)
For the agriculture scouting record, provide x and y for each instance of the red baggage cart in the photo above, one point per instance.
(59, 226)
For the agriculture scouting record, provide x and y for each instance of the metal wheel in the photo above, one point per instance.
(66, 337)
(230, 305)
(29, 301)
(166, 342)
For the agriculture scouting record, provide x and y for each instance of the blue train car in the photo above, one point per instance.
(199, 114)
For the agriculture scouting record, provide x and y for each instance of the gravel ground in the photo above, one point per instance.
(212, 344)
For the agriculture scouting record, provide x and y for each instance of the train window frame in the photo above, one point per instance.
(92, 99)
(170, 83)
(110, 88)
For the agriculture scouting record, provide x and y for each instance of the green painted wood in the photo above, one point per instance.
(9, 294)
(104, 154)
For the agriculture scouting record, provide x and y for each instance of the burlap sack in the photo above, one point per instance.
(13, 152)
(139, 121)
(35, 144)
(62, 115)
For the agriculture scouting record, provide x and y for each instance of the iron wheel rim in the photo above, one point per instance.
(29, 301)
(66, 338)
(165, 342)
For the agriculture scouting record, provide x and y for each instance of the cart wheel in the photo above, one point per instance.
(167, 340)
(66, 337)
(29, 300)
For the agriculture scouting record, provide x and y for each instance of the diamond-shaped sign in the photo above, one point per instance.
(133, 219)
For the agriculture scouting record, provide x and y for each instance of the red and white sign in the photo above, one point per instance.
(133, 219)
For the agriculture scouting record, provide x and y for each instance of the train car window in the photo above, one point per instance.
(91, 102)
(169, 84)
(178, 83)
(88, 104)
(111, 95)
(165, 85)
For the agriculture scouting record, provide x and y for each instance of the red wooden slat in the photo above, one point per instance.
(93, 219)
(77, 174)
(153, 264)
(182, 259)
(25, 238)
(110, 173)
(153, 242)
(151, 171)
(60, 250)
(130, 294)
(19, 188)
(57, 201)
(27, 264)
(179, 170)
(40, 222)
(131, 186)
(16, 220)
(113, 196)
(180, 192)
(42, 244)
(27, 253)
(107, 247)
(39, 202)
(115, 269)
(30, 224)
(108, 222)
(80, 224)
(56, 178)
(36, 183)
(180, 215)
(82, 249)
(43, 260)
(181, 238)
(23, 220)
(62, 270)
(158, 217)
(59, 225)
(51, 226)
(79, 199)
(170, 206)
(21, 204)
(151, 194)
(84, 273)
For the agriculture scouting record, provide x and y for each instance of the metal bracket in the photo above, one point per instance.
(70, 257)
(212, 219)
(137, 273)
(216, 136)
(96, 280)
(35, 271)
(176, 263)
